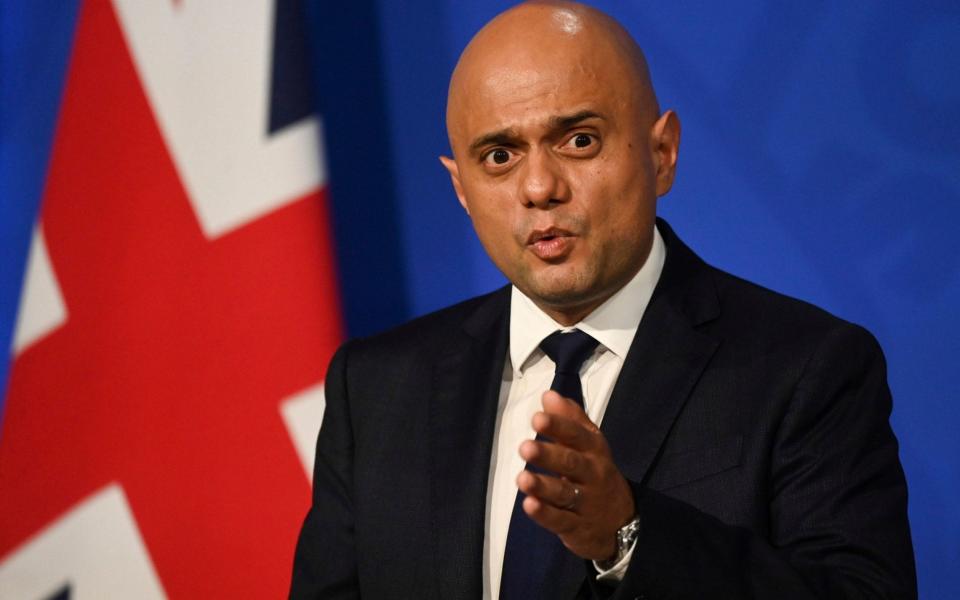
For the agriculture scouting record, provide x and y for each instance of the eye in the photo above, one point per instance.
(499, 156)
(582, 144)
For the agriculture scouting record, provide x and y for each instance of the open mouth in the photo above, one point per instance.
(547, 235)
(550, 244)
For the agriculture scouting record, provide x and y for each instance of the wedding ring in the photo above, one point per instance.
(575, 501)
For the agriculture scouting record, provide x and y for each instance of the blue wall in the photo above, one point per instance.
(820, 157)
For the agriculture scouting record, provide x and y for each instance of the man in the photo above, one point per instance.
(743, 447)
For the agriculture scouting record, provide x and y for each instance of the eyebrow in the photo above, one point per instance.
(565, 122)
(509, 136)
(503, 137)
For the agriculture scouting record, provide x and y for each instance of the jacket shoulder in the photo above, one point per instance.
(738, 309)
(764, 320)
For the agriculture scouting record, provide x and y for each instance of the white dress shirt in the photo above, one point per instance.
(529, 372)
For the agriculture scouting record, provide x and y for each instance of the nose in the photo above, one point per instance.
(542, 182)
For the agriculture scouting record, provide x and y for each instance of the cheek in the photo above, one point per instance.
(620, 214)
(493, 213)
(495, 230)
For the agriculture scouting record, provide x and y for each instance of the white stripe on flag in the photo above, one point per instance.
(41, 304)
(302, 414)
(95, 549)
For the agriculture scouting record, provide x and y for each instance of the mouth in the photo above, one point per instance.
(551, 244)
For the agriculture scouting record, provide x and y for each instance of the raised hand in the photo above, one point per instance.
(585, 499)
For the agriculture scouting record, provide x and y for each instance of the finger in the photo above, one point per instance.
(554, 403)
(564, 431)
(561, 493)
(556, 520)
(556, 458)
(564, 421)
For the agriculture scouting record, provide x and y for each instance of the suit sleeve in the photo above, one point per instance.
(325, 563)
(837, 509)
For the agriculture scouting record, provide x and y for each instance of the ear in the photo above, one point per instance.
(665, 142)
(451, 166)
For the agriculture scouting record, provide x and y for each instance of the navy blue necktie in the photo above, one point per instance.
(533, 554)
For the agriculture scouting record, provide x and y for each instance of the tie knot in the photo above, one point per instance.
(568, 349)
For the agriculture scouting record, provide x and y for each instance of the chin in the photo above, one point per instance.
(562, 293)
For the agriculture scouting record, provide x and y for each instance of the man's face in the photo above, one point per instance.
(557, 166)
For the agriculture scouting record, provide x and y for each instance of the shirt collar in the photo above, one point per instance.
(614, 323)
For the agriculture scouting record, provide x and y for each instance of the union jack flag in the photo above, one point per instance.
(178, 311)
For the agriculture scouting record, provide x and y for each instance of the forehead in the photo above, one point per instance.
(528, 89)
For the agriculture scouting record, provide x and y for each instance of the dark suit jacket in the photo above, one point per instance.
(753, 429)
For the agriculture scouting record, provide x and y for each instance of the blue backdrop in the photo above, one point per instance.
(820, 157)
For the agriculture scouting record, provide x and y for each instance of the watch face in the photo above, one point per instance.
(628, 533)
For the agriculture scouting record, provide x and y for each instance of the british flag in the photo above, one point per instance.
(178, 310)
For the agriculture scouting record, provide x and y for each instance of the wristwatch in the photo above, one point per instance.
(626, 536)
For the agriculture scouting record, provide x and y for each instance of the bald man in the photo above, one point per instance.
(623, 420)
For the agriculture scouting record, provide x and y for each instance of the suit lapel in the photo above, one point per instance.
(665, 361)
(463, 409)
(662, 367)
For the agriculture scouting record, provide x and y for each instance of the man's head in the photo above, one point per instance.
(560, 152)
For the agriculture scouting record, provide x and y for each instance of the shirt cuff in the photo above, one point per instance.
(615, 573)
